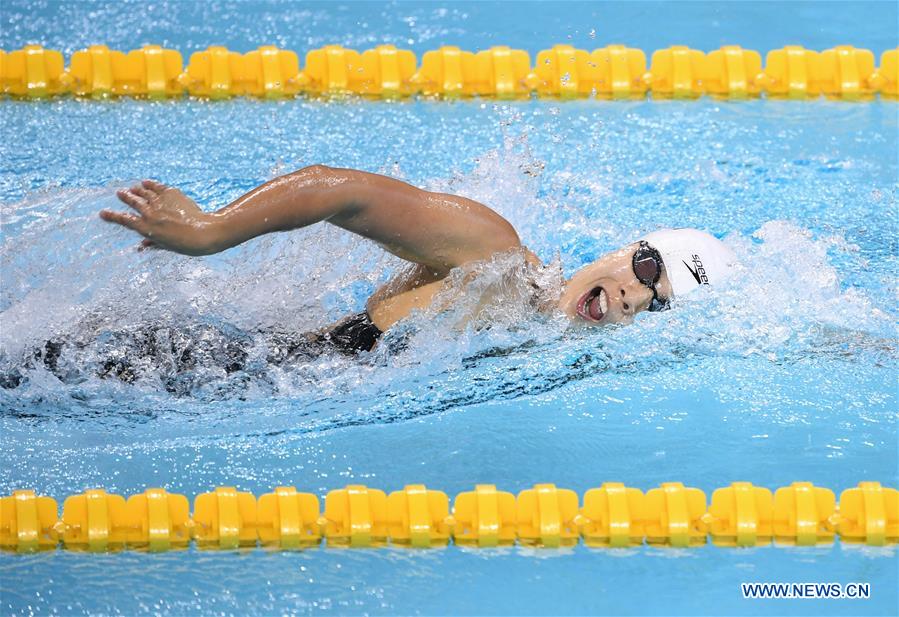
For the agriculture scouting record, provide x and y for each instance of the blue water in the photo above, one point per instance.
(786, 373)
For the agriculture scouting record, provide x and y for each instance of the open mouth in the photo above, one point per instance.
(593, 305)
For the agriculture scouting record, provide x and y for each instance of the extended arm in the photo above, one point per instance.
(437, 230)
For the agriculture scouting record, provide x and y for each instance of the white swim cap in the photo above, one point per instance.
(691, 257)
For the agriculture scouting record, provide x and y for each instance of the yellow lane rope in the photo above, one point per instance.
(612, 515)
(385, 72)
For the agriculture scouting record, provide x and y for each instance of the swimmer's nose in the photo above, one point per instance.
(632, 297)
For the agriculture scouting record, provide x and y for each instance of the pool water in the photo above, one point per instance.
(787, 372)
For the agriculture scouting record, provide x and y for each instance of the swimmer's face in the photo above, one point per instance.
(607, 291)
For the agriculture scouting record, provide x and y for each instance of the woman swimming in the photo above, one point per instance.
(435, 231)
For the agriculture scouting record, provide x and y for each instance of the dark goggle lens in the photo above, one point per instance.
(646, 269)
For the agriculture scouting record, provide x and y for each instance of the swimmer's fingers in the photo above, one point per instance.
(156, 187)
(144, 193)
(131, 221)
(135, 201)
(147, 244)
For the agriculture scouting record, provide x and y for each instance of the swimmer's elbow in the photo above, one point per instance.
(315, 172)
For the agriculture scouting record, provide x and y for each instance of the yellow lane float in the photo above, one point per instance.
(387, 72)
(610, 516)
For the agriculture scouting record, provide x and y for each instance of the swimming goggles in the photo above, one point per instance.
(647, 264)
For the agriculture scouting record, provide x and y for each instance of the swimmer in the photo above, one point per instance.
(434, 231)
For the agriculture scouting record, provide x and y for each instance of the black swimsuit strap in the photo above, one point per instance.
(354, 334)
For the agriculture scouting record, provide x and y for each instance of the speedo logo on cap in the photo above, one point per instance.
(697, 270)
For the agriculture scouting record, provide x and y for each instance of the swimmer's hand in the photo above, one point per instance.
(166, 218)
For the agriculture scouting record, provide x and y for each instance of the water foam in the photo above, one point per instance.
(67, 276)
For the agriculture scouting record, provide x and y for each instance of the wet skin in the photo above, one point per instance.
(607, 291)
(434, 231)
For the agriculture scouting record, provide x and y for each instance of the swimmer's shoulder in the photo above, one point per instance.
(385, 311)
(405, 294)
